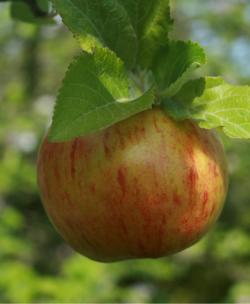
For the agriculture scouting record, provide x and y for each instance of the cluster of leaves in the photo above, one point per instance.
(129, 65)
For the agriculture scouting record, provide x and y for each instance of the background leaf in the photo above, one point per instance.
(37, 13)
(214, 103)
(95, 94)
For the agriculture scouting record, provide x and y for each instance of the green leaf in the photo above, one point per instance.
(133, 29)
(152, 22)
(155, 32)
(213, 103)
(100, 23)
(96, 93)
(21, 11)
(44, 5)
(175, 64)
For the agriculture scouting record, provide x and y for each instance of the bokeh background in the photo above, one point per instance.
(35, 264)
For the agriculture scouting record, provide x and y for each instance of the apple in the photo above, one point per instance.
(145, 187)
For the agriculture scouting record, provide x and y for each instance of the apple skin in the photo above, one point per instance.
(145, 187)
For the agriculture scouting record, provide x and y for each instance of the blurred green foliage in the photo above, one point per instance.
(36, 265)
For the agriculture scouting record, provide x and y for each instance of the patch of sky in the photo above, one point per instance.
(240, 54)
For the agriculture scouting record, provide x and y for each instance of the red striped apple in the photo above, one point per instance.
(145, 187)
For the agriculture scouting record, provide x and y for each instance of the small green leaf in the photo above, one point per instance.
(96, 93)
(213, 103)
(175, 64)
(100, 23)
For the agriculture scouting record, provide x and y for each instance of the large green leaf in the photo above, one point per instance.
(133, 29)
(153, 31)
(213, 103)
(152, 22)
(95, 94)
(103, 23)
